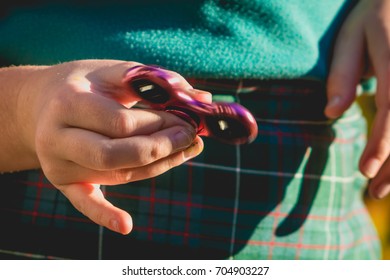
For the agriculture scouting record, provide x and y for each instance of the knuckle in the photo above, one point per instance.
(122, 176)
(59, 102)
(152, 151)
(97, 216)
(105, 156)
(156, 152)
(123, 123)
(43, 141)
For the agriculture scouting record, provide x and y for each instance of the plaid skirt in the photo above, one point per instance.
(294, 193)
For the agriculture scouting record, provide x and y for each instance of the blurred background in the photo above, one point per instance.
(379, 209)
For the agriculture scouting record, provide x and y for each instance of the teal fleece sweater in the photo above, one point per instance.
(201, 38)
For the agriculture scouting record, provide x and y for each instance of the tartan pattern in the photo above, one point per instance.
(295, 193)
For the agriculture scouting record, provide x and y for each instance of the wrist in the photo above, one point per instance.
(18, 92)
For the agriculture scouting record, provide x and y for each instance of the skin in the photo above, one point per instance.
(363, 49)
(75, 121)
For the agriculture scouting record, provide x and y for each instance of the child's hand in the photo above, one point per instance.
(77, 122)
(363, 46)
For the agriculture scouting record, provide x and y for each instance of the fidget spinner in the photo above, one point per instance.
(229, 123)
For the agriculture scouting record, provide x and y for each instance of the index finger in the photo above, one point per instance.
(107, 117)
(90, 201)
(378, 146)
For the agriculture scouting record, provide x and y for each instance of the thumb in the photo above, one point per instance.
(346, 70)
(90, 201)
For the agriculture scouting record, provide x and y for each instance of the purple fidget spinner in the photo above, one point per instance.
(229, 123)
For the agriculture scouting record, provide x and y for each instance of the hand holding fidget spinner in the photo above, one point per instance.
(229, 123)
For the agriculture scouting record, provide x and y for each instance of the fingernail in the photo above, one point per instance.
(334, 101)
(193, 150)
(331, 107)
(183, 138)
(371, 168)
(382, 191)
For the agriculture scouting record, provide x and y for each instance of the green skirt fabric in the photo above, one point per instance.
(294, 193)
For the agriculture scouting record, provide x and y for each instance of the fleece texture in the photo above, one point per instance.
(259, 39)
